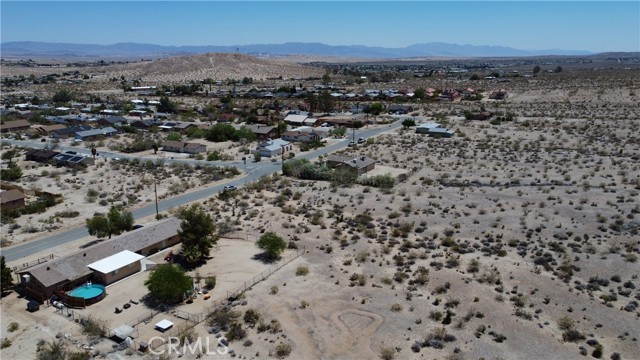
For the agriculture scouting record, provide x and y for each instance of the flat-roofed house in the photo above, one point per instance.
(41, 155)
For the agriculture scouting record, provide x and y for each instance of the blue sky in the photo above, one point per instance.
(570, 25)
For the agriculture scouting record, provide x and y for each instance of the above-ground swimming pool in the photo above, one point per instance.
(90, 292)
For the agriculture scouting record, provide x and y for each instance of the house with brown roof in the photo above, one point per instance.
(358, 164)
(183, 147)
(41, 155)
(263, 132)
(15, 125)
(11, 199)
(69, 271)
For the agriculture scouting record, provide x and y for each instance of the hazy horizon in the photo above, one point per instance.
(542, 25)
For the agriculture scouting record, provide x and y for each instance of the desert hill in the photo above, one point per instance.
(218, 66)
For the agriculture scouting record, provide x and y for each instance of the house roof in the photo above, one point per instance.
(273, 145)
(10, 195)
(9, 125)
(260, 129)
(173, 144)
(115, 262)
(96, 132)
(430, 125)
(41, 153)
(192, 145)
(74, 265)
(355, 162)
(294, 118)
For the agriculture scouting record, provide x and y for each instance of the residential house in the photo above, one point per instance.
(15, 125)
(68, 271)
(441, 132)
(358, 165)
(184, 126)
(426, 127)
(95, 133)
(304, 134)
(399, 109)
(184, 147)
(41, 155)
(47, 130)
(263, 132)
(68, 132)
(116, 121)
(275, 147)
(72, 160)
(11, 199)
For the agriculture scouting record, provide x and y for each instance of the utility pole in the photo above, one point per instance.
(155, 190)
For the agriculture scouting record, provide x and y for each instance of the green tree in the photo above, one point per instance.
(94, 151)
(408, 122)
(339, 131)
(13, 173)
(62, 96)
(174, 136)
(6, 281)
(155, 148)
(536, 70)
(374, 109)
(120, 221)
(272, 244)
(114, 223)
(99, 226)
(166, 105)
(558, 69)
(326, 78)
(197, 233)
(168, 283)
(326, 101)
(9, 155)
(420, 94)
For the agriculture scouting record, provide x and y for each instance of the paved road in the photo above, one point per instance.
(254, 172)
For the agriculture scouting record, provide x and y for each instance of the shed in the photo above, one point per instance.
(116, 267)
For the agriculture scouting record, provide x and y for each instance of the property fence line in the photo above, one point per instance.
(190, 320)
(208, 311)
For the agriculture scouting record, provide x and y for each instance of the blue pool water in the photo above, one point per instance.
(87, 291)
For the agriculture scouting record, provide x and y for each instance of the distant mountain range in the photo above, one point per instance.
(25, 49)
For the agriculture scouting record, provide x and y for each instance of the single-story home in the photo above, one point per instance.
(262, 132)
(73, 160)
(96, 133)
(69, 131)
(359, 165)
(69, 271)
(40, 155)
(499, 94)
(275, 147)
(184, 147)
(426, 127)
(15, 125)
(11, 199)
(303, 135)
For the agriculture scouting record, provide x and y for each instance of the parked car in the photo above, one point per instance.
(229, 188)
(351, 143)
(361, 140)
